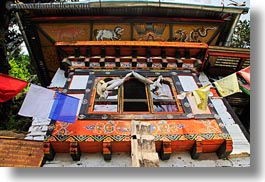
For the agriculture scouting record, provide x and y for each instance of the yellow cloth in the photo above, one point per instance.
(201, 96)
(227, 85)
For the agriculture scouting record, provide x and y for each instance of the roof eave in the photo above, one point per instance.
(117, 4)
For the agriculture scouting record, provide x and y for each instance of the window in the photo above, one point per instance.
(133, 95)
(126, 94)
(163, 97)
(105, 100)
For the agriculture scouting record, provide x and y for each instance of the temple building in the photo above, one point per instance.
(134, 65)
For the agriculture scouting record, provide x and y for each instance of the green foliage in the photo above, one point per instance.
(22, 69)
(19, 67)
(16, 122)
(241, 36)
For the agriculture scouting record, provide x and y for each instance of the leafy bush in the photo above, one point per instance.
(241, 36)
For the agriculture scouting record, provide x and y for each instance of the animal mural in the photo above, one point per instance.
(66, 33)
(194, 35)
(181, 36)
(109, 34)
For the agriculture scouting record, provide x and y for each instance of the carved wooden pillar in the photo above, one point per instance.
(196, 150)
(165, 151)
(48, 151)
(225, 149)
(143, 150)
(75, 151)
(107, 151)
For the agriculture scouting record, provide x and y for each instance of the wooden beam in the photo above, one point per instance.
(120, 18)
(225, 149)
(75, 151)
(196, 150)
(135, 154)
(229, 54)
(143, 150)
(135, 147)
(48, 151)
(149, 155)
(134, 44)
(165, 151)
(107, 151)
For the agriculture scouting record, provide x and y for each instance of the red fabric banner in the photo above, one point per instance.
(10, 87)
(245, 73)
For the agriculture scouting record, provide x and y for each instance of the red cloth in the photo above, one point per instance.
(245, 73)
(10, 87)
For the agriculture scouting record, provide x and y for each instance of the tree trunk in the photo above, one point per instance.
(4, 19)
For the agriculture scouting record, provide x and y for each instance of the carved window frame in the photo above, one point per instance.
(86, 113)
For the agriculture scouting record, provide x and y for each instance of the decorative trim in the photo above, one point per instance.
(121, 138)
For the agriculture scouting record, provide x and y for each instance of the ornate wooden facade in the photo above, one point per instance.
(99, 42)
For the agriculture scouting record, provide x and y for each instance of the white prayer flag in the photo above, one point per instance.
(38, 102)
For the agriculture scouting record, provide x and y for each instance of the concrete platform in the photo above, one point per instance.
(182, 159)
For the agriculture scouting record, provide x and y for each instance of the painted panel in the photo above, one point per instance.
(120, 130)
(111, 31)
(192, 33)
(151, 32)
(49, 54)
(181, 32)
(67, 31)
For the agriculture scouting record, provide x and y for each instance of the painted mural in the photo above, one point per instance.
(91, 31)
(181, 36)
(67, 32)
(193, 34)
(151, 32)
(200, 32)
(179, 130)
(129, 31)
(104, 34)
(111, 31)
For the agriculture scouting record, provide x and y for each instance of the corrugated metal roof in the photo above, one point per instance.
(128, 8)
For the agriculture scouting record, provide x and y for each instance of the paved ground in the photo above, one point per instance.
(124, 160)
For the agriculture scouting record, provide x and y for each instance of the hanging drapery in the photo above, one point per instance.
(10, 87)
